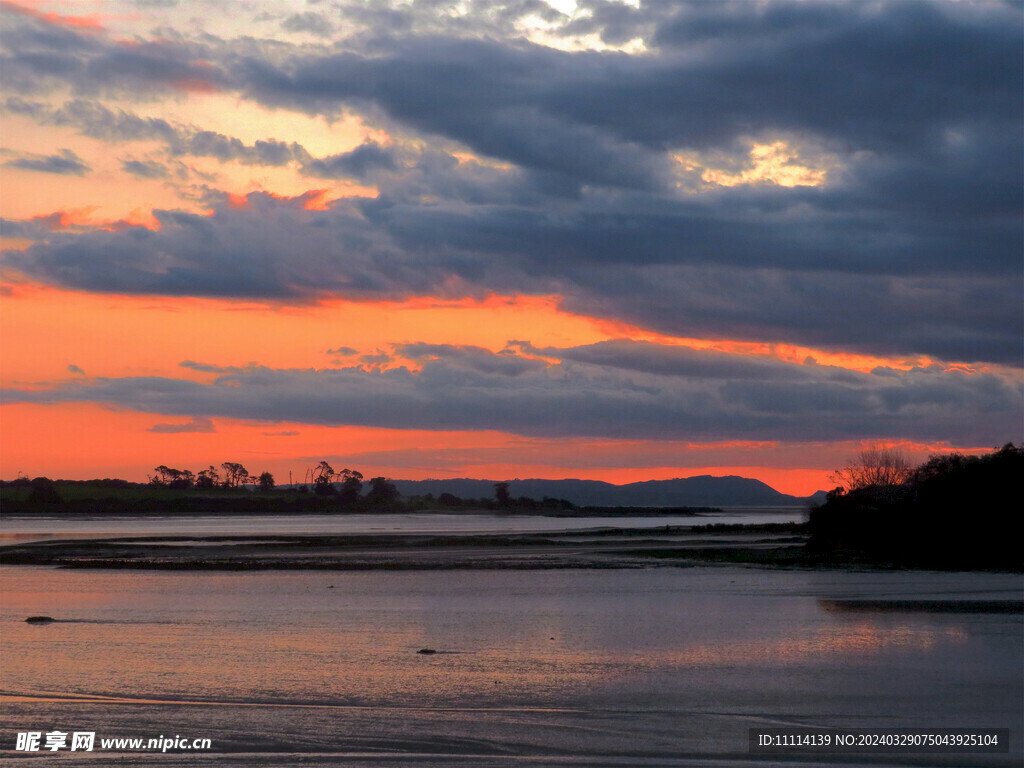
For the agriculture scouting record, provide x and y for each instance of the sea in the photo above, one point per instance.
(659, 666)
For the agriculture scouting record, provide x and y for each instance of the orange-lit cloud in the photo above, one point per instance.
(155, 334)
(90, 22)
(82, 218)
(776, 163)
(790, 353)
(195, 85)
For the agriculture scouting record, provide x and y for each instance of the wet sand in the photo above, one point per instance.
(596, 548)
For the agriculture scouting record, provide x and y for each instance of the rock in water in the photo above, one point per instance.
(40, 619)
(426, 650)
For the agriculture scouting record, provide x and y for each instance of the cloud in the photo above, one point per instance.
(520, 168)
(313, 23)
(628, 390)
(663, 267)
(145, 169)
(76, 370)
(197, 424)
(357, 163)
(67, 163)
(94, 119)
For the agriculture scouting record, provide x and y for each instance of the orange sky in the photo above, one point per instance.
(50, 334)
(82, 158)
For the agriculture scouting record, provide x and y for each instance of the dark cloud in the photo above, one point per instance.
(710, 281)
(198, 424)
(343, 351)
(67, 163)
(357, 163)
(205, 367)
(226, 148)
(911, 247)
(40, 57)
(76, 370)
(313, 23)
(145, 169)
(96, 120)
(646, 357)
(380, 358)
(613, 395)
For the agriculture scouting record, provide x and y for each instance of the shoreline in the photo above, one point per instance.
(590, 548)
(779, 545)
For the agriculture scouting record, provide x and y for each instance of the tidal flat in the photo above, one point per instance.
(612, 658)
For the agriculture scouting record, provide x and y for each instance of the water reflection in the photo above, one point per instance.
(668, 657)
(37, 528)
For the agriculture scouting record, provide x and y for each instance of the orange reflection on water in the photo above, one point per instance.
(860, 639)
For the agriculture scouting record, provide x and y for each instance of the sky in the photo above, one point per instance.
(579, 238)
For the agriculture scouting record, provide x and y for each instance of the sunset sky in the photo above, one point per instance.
(598, 239)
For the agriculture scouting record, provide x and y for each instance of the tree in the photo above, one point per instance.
(501, 494)
(323, 479)
(160, 478)
(172, 478)
(183, 479)
(234, 474)
(208, 478)
(351, 486)
(266, 482)
(44, 491)
(874, 466)
(381, 492)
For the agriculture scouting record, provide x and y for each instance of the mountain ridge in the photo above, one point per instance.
(699, 490)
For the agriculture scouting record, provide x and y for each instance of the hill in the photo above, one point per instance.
(700, 491)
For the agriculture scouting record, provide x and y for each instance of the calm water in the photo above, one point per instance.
(42, 527)
(667, 666)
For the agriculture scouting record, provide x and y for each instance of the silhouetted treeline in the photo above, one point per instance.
(502, 501)
(172, 490)
(954, 511)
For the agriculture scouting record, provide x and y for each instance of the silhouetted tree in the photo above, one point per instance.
(874, 466)
(207, 478)
(234, 474)
(323, 479)
(449, 500)
(172, 478)
(953, 511)
(501, 494)
(351, 486)
(266, 482)
(381, 492)
(43, 492)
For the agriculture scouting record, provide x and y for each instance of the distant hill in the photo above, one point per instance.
(701, 491)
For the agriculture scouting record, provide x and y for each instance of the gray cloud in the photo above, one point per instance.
(67, 163)
(314, 23)
(466, 388)
(197, 424)
(617, 266)
(912, 247)
(357, 163)
(145, 169)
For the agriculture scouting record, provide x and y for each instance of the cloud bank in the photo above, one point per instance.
(617, 389)
(606, 177)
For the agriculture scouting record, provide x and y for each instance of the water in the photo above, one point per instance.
(665, 666)
(38, 527)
